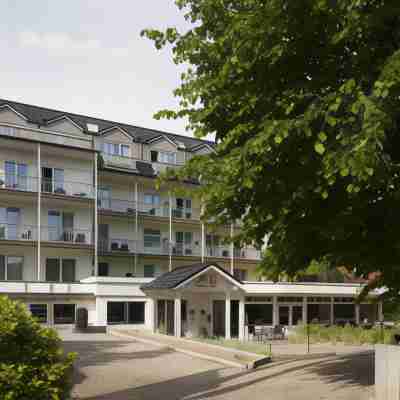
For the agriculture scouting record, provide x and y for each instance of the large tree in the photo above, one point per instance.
(303, 97)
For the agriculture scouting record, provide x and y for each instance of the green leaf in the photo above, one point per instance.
(322, 136)
(344, 172)
(319, 148)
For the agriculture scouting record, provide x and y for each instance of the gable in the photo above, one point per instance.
(8, 115)
(65, 125)
(116, 135)
(203, 150)
(163, 144)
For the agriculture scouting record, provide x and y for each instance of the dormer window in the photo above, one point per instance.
(165, 157)
(116, 149)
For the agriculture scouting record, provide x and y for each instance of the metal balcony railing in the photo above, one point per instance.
(17, 232)
(182, 249)
(21, 183)
(116, 205)
(163, 211)
(117, 245)
(72, 236)
(226, 252)
(162, 167)
(67, 188)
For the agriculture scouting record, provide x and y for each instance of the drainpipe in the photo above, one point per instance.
(39, 197)
(232, 250)
(170, 232)
(136, 226)
(95, 239)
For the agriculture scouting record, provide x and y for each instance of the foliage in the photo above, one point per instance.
(350, 335)
(303, 97)
(32, 364)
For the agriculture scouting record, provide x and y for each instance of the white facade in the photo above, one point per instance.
(83, 225)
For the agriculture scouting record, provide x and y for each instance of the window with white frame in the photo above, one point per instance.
(165, 157)
(104, 198)
(53, 180)
(9, 223)
(60, 270)
(39, 312)
(16, 175)
(116, 149)
(11, 268)
(152, 239)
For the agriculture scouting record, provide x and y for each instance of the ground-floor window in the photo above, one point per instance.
(39, 312)
(319, 313)
(258, 314)
(121, 312)
(60, 270)
(64, 313)
(344, 313)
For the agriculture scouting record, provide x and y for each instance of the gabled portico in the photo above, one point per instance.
(198, 300)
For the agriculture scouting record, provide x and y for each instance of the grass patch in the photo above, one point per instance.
(251, 347)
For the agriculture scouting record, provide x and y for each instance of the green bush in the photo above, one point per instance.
(32, 363)
(348, 334)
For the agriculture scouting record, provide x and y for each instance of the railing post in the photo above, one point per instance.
(39, 216)
(232, 250)
(95, 239)
(203, 243)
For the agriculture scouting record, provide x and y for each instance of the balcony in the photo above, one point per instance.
(114, 245)
(116, 205)
(163, 167)
(19, 183)
(66, 235)
(17, 232)
(247, 253)
(163, 211)
(67, 188)
(182, 249)
(119, 161)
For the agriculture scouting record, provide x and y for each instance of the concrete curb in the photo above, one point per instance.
(187, 352)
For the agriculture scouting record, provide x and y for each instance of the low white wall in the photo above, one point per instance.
(387, 372)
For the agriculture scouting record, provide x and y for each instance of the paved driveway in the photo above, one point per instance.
(110, 368)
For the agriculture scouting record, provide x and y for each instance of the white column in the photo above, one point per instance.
(380, 311)
(304, 317)
(136, 225)
(275, 319)
(232, 250)
(39, 214)
(178, 318)
(241, 319)
(331, 314)
(170, 233)
(203, 242)
(96, 224)
(228, 316)
(357, 313)
(155, 315)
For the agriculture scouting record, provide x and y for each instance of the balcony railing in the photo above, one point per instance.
(163, 211)
(116, 205)
(17, 232)
(67, 188)
(119, 161)
(226, 252)
(162, 167)
(20, 183)
(181, 249)
(117, 245)
(72, 236)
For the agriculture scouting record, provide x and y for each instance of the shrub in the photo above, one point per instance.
(32, 363)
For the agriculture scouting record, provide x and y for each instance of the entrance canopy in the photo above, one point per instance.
(197, 276)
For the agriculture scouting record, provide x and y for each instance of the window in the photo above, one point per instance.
(163, 157)
(152, 238)
(149, 271)
(60, 270)
(104, 198)
(53, 180)
(259, 314)
(103, 269)
(183, 208)
(9, 223)
(11, 268)
(116, 149)
(61, 226)
(119, 312)
(240, 274)
(183, 242)
(64, 313)
(39, 312)
(16, 175)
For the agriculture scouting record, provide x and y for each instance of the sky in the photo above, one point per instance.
(87, 56)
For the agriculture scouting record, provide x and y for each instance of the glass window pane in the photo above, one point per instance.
(47, 179)
(154, 156)
(39, 312)
(14, 268)
(188, 237)
(152, 238)
(54, 220)
(59, 180)
(115, 149)
(124, 150)
(64, 313)
(68, 270)
(115, 312)
(10, 172)
(2, 268)
(136, 312)
(22, 172)
(52, 270)
(12, 223)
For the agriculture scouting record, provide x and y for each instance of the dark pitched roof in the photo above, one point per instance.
(42, 116)
(172, 279)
